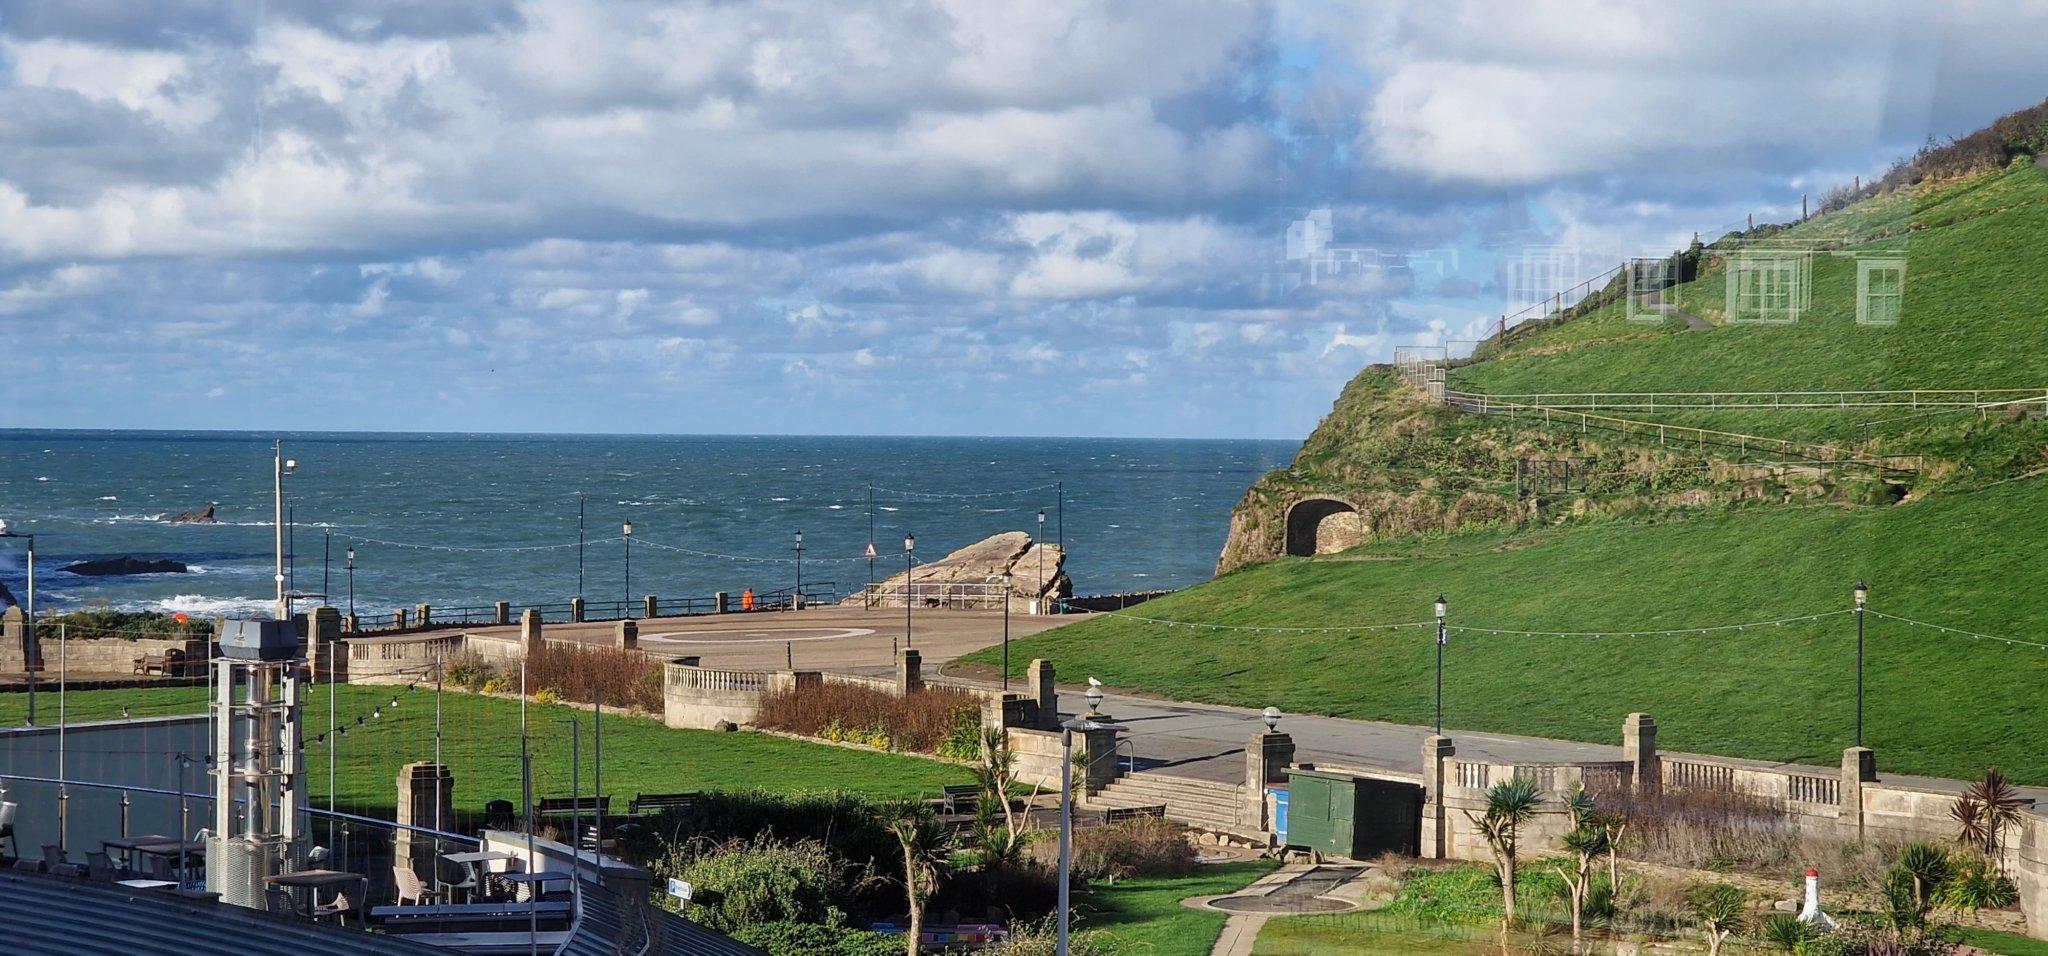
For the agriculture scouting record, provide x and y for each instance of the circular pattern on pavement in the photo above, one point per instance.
(758, 635)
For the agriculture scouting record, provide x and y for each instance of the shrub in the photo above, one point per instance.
(470, 671)
(811, 939)
(126, 625)
(745, 882)
(546, 695)
(497, 685)
(1974, 883)
(920, 723)
(629, 679)
(1144, 847)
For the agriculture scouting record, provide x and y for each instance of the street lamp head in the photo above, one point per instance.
(1271, 716)
(290, 465)
(1041, 516)
(351, 555)
(1862, 593)
(799, 538)
(628, 528)
(1094, 696)
(909, 543)
(1442, 607)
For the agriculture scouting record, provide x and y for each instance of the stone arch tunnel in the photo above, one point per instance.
(1323, 526)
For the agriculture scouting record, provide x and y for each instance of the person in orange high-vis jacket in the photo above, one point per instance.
(747, 599)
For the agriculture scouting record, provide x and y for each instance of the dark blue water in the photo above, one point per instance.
(1139, 514)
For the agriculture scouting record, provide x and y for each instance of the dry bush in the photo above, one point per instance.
(1739, 833)
(1142, 847)
(628, 678)
(922, 722)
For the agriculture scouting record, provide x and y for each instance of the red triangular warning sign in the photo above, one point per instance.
(871, 549)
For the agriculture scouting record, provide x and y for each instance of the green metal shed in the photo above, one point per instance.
(1356, 818)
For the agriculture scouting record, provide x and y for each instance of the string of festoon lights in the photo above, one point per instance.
(751, 558)
(903, 493)
(419, 546)
(1973, 635)
(1654, 632)
(1209, 626)
(363, 720)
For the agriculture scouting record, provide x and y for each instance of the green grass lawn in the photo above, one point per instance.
(480, 742)
(1937, 704)
(1145, 916)
(1322, 936)
(2005, 944)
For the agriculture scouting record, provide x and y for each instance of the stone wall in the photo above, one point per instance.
(97, 655)
(699, 698)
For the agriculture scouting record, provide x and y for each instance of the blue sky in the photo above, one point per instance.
(1064, 218)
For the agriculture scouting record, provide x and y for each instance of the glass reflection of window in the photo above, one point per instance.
(1881, 299)
(1767, 290)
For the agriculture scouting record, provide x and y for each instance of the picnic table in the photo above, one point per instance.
(176, 853)
(476, 863)
(127, 846)
(313, 881)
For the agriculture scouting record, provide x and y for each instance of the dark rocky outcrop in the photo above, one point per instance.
(108, 567)
(195, 516)
(1037, 572)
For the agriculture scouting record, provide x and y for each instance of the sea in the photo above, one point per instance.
(464, 520)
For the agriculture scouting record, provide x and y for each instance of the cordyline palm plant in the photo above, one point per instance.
(1586, 841)
(924, 844)
(1985, 811)
(1719, 908)
(1509, 804)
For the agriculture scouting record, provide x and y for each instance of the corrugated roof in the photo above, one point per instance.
(609, 924)
(46, 914)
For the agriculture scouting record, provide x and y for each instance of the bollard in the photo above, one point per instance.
(423, 614)
(720, 602)
(503, 612)
(576, 610)
(398, 618)
(626, 636)
(653, 608)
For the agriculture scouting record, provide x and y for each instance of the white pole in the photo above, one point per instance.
(277, 522)
(1066, 829)
(63, 785)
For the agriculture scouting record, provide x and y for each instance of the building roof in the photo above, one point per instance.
(49, 914)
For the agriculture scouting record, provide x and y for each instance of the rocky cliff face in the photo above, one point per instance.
(1036, 569)
(1388, 463)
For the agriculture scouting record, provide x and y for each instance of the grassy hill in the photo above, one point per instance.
(1663, 538)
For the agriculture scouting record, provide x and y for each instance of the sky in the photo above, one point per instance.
(938, 218)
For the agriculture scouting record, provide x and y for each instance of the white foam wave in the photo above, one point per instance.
(200, 605)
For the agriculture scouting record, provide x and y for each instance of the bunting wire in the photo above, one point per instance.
(1203, 625)
(903, 493)
(1658, 632)
(1956, 630)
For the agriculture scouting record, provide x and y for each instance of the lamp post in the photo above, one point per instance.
(1862, 595)
(1006, 632)
(280, 468)
(1442, 607)
(1040, 548)
(796, 599)
(350, 568)
(909, 593)
(627, 611)
(1271, 716)
(1065, 819)
(31, 648)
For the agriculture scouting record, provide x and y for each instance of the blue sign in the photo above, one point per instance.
(1279, 813)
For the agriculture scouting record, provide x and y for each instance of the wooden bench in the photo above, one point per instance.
(572, 806)
(657, 802)
(167, 663)
(1116, 815)
(955, 795)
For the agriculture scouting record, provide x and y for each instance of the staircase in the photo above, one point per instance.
(1198, 803)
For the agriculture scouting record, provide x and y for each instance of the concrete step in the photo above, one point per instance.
(1200, 803)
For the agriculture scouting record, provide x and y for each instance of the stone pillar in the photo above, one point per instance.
(626, 636)
(909, 672)
(720, 602)
(350, 624)
(576, 610)
(529, 631)
(1436, 830)
(1639, 748)
(424, 614)
(1859, 766)
(426, 798)
(502, 612)
(653, 608)
(398, 618)
(323, 644)
(1041, 682)
(1267, 755)
(12, 623)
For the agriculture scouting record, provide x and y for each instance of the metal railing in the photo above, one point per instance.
(946, 594)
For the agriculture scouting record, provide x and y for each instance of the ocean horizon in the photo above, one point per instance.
(464, 519)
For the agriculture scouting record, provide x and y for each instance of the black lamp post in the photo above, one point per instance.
(796, 600)
(350, 567)
(909, 592)
(627, 611)
(1862, 595)
(1442, 608)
